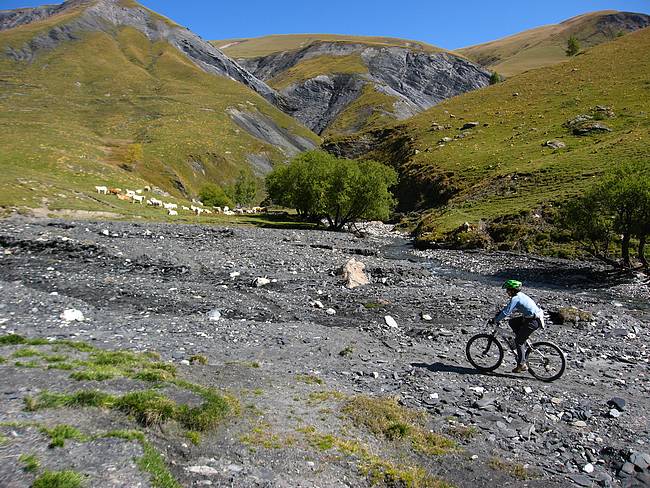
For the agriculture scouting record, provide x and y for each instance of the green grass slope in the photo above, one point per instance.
(265, 45)
(118, 110)
(546, 45)
(501, 167)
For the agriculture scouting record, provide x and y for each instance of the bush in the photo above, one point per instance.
(495, 78)
(321, 186)
(213, 195)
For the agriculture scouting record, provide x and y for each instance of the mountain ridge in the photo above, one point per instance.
(545, 45)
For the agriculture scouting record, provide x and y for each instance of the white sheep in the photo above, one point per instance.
(185, 208)
(102, 190)
(172, 212)
(170, 206)
(138, 198)
(156, 203)
(130, 192)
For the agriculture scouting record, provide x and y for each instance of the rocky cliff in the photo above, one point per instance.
(410, 80)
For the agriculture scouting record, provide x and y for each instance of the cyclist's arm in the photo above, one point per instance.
(508, 309)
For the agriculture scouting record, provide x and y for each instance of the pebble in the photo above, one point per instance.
(588, 468)
(330, 311)
(214, 314)
(202, 470)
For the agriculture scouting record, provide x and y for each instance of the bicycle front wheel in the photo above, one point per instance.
(484, 352)
(546, 361)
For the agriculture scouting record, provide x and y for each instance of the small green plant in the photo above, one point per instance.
(147, 407)
(198, 359)
(310, 379)
(30, 462)
(28, 364)
(58, 479)
(59, 434)
(26, 352)
(516, 470)
(194, 437)
(495, 78)
(347, 351)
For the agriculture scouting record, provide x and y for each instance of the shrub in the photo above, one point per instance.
(213, 196)
(572, 46)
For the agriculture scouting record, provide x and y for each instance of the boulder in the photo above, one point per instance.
(577, 120)
(354, 273)
(469, 125)
(259, 282)
(590, 128)
(72, 315)
(554, 144)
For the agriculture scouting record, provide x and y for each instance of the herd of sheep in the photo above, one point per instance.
(136, 196)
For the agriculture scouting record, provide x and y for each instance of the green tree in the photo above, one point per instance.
(618, 206)
(245, 189)
(213, 195)
(321, 186)
(495, 78)
(572, 46)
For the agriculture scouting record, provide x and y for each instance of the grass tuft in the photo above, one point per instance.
(59, 434)
(30, 462)
(59, 479)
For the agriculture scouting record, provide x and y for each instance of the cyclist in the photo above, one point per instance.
(531, 319)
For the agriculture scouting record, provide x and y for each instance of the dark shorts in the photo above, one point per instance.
(523, 328)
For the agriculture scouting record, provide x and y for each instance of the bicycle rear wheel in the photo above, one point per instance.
(546, 361)
(484, 352)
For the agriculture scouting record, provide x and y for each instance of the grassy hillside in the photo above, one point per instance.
(263, 46)
(546, 45)
(501, 167)
(122, 111)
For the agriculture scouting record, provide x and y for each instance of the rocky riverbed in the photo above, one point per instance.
(294, 348)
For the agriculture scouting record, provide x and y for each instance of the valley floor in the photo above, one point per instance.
(297, 352)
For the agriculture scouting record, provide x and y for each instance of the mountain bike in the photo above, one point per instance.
(545, 360)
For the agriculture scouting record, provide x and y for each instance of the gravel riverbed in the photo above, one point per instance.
(185, 290)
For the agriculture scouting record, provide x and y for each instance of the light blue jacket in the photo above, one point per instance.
(521, 303)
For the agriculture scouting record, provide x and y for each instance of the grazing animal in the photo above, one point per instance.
(172, 212)
(156, 203)
(170, 206)
(198, 211)
(185, 208)
(123, 197)
(218, 210)
(207, 211)
(114, 191)
(102, 190)
(138, 198)
(130, 192)
(226, 208)
(147, 188)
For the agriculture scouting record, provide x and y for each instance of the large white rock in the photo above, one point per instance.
(390, 321)
(354, 273)
(72, 315)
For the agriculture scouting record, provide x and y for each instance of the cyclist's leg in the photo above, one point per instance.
(523, 333)
(517, 324)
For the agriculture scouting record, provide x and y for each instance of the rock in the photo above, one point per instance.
(234, 274)
(469, 125)
(484, 403)
(214, 314)
(578, 120)
(445, 140)
(588, 468)
(390, 321)
(259, 282)
(202, 470)
(617, 402)
(528, 390)
(426, 317)
(184, 362)
(570, 314)
(72, 315)
(554, 144)
(590, 128)
(580, 423)
(640, 459)
(330, 311)
(627, 468)
(354, 274)
(581, 480)
(106, 232)
(614, 413)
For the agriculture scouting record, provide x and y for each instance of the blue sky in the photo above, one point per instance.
(449, 25)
